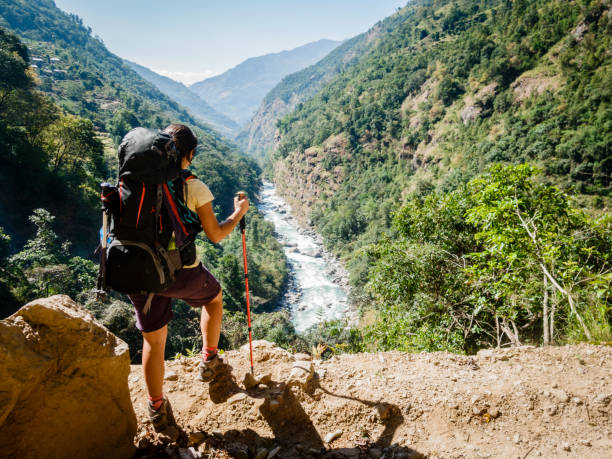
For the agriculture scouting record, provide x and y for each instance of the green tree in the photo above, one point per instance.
(71, 144)
(526, 228)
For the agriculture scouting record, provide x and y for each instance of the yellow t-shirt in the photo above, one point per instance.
(198, 194)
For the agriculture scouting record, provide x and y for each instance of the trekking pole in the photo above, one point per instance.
(241, 195)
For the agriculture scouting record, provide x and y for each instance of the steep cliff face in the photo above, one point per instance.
(305, 179)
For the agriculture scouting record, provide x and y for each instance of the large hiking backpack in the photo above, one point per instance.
(146, 208)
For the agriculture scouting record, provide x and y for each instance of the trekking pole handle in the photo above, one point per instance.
(242, 195)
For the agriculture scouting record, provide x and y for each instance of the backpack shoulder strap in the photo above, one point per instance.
(188, 175)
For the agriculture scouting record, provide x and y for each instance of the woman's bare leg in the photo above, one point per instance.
(210, 323)
(153, 349)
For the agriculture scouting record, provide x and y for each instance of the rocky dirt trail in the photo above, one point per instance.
(515, 403)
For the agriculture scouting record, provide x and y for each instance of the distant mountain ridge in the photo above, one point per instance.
(238, 92)
(257, 137)
(183, 95)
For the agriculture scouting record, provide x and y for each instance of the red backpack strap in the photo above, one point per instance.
(187, 175)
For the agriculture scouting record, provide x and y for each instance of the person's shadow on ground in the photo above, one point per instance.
(291, 425)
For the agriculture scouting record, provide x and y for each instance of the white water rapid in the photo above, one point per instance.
(317, 282)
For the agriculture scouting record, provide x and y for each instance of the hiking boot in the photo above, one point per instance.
(212, 369)
(163, 420)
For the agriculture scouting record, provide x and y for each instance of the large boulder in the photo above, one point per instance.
(63, 385)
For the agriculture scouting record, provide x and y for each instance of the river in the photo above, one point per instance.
(317, 282)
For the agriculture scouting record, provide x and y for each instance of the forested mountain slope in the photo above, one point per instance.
(454, 88)
(257, 138)
(183, 95)
(238, 92)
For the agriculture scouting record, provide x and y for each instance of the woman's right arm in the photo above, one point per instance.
(216, 231)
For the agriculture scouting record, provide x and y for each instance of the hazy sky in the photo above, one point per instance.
(190, 40)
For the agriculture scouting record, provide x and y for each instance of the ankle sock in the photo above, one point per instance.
(156, 402)
(209, 353)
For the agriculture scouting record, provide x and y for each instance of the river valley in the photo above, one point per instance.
(317, 289)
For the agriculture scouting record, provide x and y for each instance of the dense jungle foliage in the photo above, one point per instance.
(450, 89)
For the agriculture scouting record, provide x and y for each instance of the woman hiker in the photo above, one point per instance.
(195, 285)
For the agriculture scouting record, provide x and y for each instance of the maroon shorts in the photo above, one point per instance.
(196, 286)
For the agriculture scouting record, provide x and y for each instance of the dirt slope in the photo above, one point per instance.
(514, 403)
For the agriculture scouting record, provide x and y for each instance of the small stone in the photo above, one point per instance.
(516, 439)
(265, 378)
(566, 446)
(560, 395)
(301, 373)
(333, 436)
(195, 438)
(236, 398)
(585, 442)
(381, 358)
(478, 410)
(274, 452)
(171, 376)
(264, 387)
(249, 381)
(577, 400)
(261, 453)
(494, 413)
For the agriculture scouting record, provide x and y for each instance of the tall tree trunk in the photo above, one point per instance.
(545, 313)
(570, 300)
(497, 330)
(552, 317)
